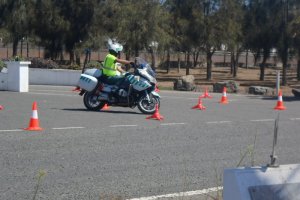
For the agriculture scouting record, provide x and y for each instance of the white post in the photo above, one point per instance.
(18, 76)
(278, 82)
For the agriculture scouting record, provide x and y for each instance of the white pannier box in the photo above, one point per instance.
(93, 72)
(87, 82)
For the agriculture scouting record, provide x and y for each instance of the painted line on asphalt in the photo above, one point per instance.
(64, 128)
(218, 122)
(65, 91)
(294, 119)
(52, 94)
(14, 130)
(171, 124)
(262, 120)
(114, 126)
(181, 194)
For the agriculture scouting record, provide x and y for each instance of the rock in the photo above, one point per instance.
(185, 83)
(296, 92)
(259, 90)
(231, 87)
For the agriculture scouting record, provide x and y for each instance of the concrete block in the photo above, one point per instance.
(280, 183)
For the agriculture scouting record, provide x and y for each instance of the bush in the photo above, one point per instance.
(74, 67)
(43, 64)
(94, 64)
(2, 65)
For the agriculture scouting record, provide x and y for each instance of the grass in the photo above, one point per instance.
(40, 176)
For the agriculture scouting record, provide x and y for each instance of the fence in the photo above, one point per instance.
(220, 58)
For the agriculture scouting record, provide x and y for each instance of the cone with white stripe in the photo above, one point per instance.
(224, 97)
(280, 105)
(34, 124)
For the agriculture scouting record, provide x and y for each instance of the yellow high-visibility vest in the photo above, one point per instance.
(109, 67)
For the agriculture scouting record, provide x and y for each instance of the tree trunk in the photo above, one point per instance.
(61, 55)
(72, 56)
(209, 65)
(152, 58)
(195, 56)
(127, 57)
(85, 61)
(168, 61)
(247, 58)
(187, 66)
(21, 49)
(27, 48)
(298, 65)
(136, 52)
(284, 68)
(236, 63)
(224, 60)
(231, 62)
(77, 57)
(15, 47)
(178, 63)
(298, 69)
(262, 69)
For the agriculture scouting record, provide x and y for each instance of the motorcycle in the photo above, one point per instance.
(137, 89)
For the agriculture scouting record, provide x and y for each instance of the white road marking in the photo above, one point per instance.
(52, 94)
(64, 128)
(172, 97)
(15, 130)
(170, 124)
(262, 120)
(34, 90)
(114, 126)
(218, 122)
(181, 194)
(294, 119)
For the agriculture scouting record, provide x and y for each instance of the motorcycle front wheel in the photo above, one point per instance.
(91, 102)
(148, 107)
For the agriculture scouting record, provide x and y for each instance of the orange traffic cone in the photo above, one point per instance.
(77, 89)
(156, 115)
(199, 105)
(206, 95)
(224, 97)
(1, 107)
(105, 107)
(280, 105)
(34, 121)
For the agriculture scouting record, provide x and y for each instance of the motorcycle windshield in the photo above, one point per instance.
(145, 69)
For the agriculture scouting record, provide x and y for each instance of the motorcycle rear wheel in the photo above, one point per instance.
(91, 102)
(148, 107)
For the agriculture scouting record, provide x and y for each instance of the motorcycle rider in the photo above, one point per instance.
(110, 66)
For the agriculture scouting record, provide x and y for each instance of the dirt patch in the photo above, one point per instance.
(246, 78)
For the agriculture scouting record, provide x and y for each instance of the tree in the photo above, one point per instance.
(50, 27)
(211, 30)
(233, 15)
(294, 31)
(15, 18)
(262, 28)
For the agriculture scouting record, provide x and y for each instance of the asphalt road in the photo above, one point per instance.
(118, 154)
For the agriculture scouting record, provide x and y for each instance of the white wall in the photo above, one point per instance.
(53, 76)
(3, 81)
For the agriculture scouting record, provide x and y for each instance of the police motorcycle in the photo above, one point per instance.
(136, 89)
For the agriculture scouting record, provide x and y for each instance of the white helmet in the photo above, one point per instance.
(116, 47)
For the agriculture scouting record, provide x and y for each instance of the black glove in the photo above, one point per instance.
(132, 64)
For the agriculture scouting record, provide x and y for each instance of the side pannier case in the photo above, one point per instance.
(87, 82)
